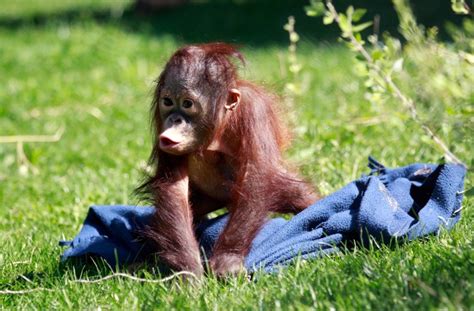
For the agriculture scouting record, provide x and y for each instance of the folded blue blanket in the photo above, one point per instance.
(407, 202)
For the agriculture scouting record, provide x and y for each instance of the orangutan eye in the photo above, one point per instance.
(167, 102)
(187, 104)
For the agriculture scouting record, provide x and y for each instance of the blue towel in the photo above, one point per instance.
(407, 202)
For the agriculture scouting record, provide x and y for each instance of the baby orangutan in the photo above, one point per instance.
(218, 143)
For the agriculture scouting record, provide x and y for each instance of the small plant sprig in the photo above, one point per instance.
(377, 67)
(292, 87)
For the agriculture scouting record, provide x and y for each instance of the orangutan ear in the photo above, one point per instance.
(233, 99)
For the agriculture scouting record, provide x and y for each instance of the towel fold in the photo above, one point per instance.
(407, 202)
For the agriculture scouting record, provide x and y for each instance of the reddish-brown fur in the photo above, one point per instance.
(245, 173)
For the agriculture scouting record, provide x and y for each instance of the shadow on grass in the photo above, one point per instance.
(254, 23)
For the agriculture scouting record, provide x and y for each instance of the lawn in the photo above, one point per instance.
(88, 68)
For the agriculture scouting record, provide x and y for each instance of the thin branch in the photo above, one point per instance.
(406, 101)
(108, 277)
(25, 291)
(134, 278)
(32, 138)
(20, 140)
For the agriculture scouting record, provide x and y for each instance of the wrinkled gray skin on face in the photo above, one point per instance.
(185, 109)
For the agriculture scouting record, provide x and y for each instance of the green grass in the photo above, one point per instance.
(93, 76)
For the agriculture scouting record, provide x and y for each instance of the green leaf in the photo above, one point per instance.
(328, 18)
(459, 7)
(349, 44)
(469, 193)
(349, 12)
(360, 27)
(359, 39)
(358, 14)
(377, 54)
(310, 11)
(316, 8)
(344, 24)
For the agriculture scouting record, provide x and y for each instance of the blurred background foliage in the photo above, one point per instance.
(89, 67)
(430, 79)
(256, 22)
